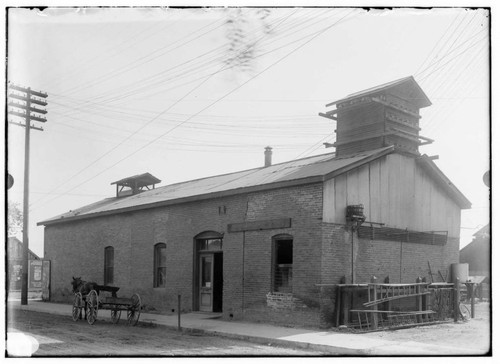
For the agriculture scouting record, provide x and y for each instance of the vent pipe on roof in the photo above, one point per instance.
(268, 156)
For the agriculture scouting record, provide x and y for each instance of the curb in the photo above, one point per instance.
(328, 350)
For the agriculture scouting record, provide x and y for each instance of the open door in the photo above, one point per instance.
(210, 283)
(208, 277)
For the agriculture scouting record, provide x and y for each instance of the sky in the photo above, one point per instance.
(158, 90)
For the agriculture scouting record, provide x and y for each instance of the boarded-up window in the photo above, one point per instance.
(160, 265)
(109, 264)
(283, 264)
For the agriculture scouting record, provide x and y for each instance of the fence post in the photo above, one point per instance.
(456, 300)
(374, 315)
(179, 312)
(346, 295)
(419, 298)
(338, 306)
(389, 303)
(472, 303)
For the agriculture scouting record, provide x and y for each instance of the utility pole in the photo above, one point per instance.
(26, 111)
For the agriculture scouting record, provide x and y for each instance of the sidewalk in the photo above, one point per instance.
(332, 343)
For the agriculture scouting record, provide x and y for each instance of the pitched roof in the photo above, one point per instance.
(296, 172)
(293, 173)
(428, 165)
(484, 231)
(13, 240)
(406, 88)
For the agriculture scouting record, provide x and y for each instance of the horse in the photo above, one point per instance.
(84, 288)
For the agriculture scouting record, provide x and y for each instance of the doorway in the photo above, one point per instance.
(210, 282)
(208, 272)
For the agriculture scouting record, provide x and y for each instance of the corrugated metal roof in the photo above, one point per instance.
(293, 172)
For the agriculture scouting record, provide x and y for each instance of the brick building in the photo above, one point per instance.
(258, 244)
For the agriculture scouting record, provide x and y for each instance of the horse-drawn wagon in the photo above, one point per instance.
(88, 300)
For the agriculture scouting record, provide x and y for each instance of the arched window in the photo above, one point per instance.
(160, 265)
(109, 263)
(282, 279)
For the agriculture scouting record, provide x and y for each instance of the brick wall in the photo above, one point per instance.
(402, 263)
(77, 249)
(322, 253)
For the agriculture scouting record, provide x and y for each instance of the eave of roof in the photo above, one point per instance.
(322, 168)
(428, 164)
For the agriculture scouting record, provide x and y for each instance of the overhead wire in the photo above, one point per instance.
(144, 85)
(215, 49)
(147, 59)
(155, 77)
(218, 99)
(82, 43)
(287, 165)
(450, 51)
(445, 45)
(436, 44)
(86, 110)
(135, 132)
(471, 81)
(440, 82)
(87, 63)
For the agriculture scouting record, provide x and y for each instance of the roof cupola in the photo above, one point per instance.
(135, 184)
(385, 115)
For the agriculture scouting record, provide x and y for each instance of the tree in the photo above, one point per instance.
(14, 219)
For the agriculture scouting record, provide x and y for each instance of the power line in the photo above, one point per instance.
(155, 77)
(436, 68)
(132, 66)
(142, 127)
(435, 45)
(115, 73)
(145, 86)
(26, 105)
(216, 101)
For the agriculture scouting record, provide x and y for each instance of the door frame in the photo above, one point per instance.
(197, 266)
(201, 289)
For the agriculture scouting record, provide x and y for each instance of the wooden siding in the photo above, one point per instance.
(395, 191)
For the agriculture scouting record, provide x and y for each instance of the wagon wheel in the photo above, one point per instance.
(92, 306)
(134, 310)
(115, 315)
(77, 306)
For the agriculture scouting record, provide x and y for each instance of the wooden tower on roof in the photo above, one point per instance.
(385, 115)
(135, 184)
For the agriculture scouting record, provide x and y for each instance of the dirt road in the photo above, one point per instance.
(472, 334)
(60, 336)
